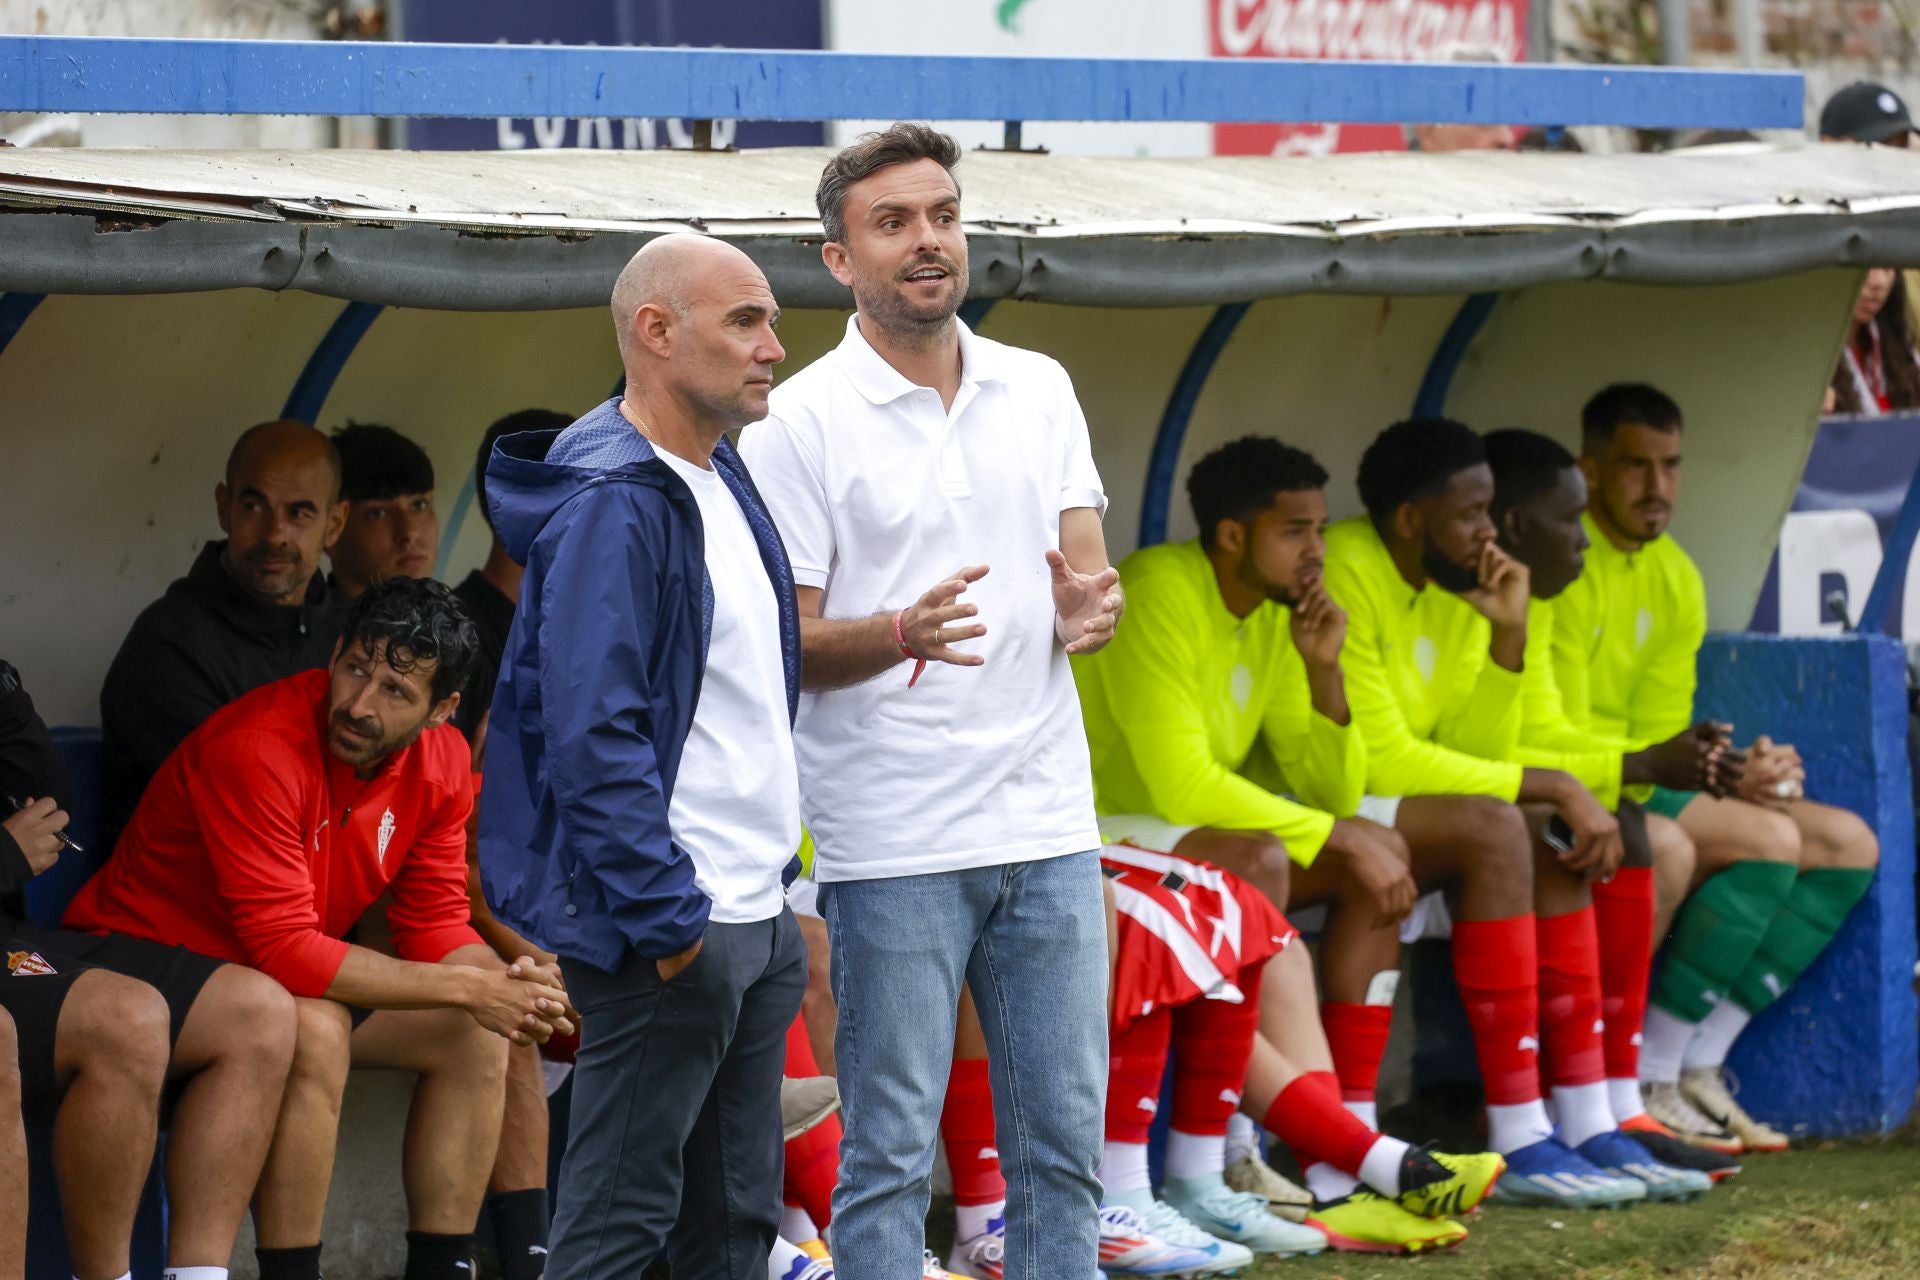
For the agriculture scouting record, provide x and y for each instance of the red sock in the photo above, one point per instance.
(813, 1158)
(1309, 1117)
(1357, 1038)
(1623, 914)
(1496, 963)
(1136, 1064)
(1570, 998)
(966, 1124)
(1212, 1041)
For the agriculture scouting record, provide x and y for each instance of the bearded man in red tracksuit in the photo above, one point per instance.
(263, 839)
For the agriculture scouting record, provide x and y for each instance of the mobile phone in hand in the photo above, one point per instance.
(1558, 835)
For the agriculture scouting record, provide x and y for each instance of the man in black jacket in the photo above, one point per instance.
(253, 609)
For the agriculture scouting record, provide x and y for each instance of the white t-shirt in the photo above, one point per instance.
(736, 801)
(879, 493)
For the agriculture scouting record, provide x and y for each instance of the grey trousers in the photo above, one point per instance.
(674, 1145)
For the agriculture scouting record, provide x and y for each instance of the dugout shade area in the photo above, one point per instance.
(154, 303)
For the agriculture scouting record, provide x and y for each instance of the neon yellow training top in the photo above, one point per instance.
(1626, 638)
(1176, 701)
(1549, 737)
(1439, 716)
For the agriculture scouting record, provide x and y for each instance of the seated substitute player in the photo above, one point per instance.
(1539, 497)
(92, 1052)
(1223, 679)
(264, 838)
(90, 1041)
(1203, 969)
(1777, 873)
(1436, 639)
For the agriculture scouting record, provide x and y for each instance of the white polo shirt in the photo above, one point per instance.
(879, 493)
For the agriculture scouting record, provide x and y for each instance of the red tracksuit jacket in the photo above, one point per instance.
(253, 844)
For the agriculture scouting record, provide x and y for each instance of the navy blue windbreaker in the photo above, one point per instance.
(598, 684)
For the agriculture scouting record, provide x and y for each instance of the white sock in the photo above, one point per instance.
(796, 1224)
(1583, 1110)
(1124, 1168)
(780, 1263)
(970, 1220)
(1663, 1042)
(1381, 1167)
(1624, 1097)
(1195, 1155)
(1243, 1137)
(1328, 1183)
(1713, 1038)
(191, 1273)
(1366, 1112)
(1517, 1125)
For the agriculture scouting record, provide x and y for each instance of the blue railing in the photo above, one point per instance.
(339, 78)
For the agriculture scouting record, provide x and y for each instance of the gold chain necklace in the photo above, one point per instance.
(634, 418)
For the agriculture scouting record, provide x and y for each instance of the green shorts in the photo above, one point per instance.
(1668, 803)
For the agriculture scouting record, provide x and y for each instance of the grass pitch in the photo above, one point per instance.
(1833, 1211)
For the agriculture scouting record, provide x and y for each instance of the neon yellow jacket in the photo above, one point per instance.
(1626, 637)
(1176, 701)
(1549, 737)
(1439, 716)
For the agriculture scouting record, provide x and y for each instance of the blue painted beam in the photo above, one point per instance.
(14, 310)
(310, 389)
(348, 78)
(1877, 613)
(1431, 400)
(1156, 495)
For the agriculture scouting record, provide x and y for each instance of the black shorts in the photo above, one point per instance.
(42, 965)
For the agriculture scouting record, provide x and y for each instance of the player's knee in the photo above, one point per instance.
(117, 1026)
(1774, 838)
(261, 1013)
(1839, 838)
(1506, 846)
(1257, 857)
(1673, 853)
(322, 1045)
(469, 1052)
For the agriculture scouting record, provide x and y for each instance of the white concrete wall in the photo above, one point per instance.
(207, 19)
(116, 414)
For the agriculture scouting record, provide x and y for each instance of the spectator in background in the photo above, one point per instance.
(253, 609)
(517, 1190)
(490, 592)
(264, 839)
(1866, 112)
(391, 529)
(1879, 369)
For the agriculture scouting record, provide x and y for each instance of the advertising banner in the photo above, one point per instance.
(1352, 30)
(735, 24)
(1831, 542)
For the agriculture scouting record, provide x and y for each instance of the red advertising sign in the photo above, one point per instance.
(1373, 30)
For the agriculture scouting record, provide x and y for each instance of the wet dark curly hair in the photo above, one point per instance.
(419, 620)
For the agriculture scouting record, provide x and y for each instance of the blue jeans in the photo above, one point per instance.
(1030, 940)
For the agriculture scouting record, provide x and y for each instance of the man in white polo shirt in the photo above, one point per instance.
(937, 496)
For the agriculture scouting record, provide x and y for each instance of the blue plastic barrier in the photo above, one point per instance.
(1840, 1053)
